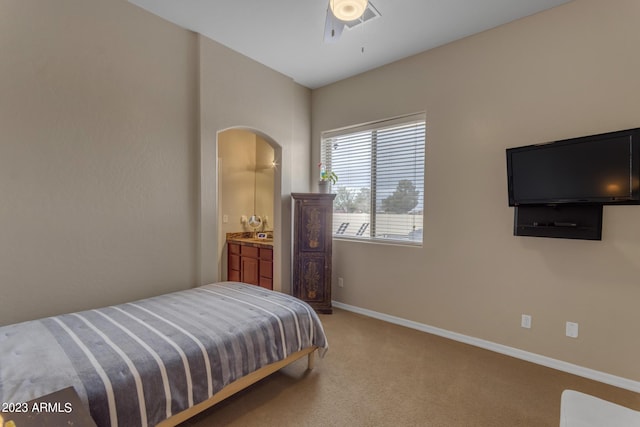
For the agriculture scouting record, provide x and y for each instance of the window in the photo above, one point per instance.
(380, 188)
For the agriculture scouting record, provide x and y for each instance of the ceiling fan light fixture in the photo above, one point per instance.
(348, 10)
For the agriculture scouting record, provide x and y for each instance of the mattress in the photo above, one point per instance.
(138, 363)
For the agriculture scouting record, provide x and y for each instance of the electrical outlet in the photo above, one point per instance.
(225, 219)
(526, 321)
(340, 282)
(572, 330)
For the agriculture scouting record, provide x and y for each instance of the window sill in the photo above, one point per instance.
(388, 242)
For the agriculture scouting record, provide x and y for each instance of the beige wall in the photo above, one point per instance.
(567, 72)
(236, 92)
(98, 117)
(109, 117)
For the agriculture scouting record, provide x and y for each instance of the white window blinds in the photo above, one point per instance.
(380, 188)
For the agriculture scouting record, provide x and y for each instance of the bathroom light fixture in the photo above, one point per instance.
(348, 10)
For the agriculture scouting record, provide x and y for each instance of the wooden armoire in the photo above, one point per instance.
(312, 241)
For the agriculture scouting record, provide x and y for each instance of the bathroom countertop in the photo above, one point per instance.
(246, 238)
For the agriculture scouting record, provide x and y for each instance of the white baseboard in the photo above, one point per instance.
(499, 348)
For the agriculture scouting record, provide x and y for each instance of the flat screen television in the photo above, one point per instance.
(596, 169)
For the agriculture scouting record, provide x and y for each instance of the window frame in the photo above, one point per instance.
(374, 127)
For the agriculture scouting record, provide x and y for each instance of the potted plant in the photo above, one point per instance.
(326, 179)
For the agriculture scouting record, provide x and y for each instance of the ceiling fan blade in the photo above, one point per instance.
(332, 27)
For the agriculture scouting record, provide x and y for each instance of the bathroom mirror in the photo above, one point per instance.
(246, 180)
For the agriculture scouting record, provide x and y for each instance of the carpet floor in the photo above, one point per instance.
(380, 374)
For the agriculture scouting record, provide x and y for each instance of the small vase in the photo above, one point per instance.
(323, 186)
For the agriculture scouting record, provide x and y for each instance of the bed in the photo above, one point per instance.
(160, 360)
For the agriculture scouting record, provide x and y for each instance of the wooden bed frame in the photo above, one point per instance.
(239, 385)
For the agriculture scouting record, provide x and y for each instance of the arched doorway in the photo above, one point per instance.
(248, 183)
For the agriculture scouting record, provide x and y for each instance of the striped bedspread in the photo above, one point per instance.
(137, 364)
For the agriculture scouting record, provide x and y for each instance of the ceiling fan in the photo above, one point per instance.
(346, 13)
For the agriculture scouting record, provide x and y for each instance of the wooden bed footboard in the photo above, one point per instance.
(241, 384)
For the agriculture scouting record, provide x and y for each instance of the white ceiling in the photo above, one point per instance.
(287, 35)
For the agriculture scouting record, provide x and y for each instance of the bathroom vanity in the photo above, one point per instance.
(250, 260)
